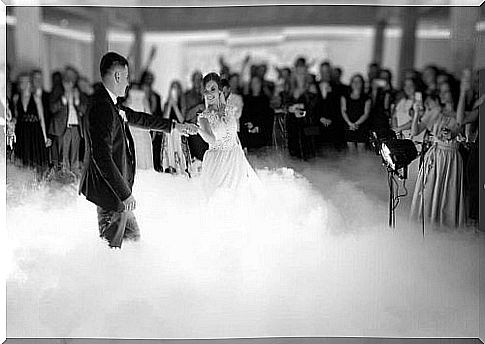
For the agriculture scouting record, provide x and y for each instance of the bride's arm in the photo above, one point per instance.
(205, 131)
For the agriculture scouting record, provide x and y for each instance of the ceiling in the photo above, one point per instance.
(235, 17)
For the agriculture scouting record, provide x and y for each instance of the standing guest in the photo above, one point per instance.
(328, 107)
(382, 96)
(430, 73)
(194, 102)
(41, 98)
(355, 112)
(68, 105)
(402, 114)
(472, 180)
(439, 195)
(56, 80)
(31, 137)
(109, 172)
(373, 70)
(233, 99)
(84, 86)
(337, 73)
(155, 104)
(141, 136)
(267, 86)
(257, 117)
(175, 151)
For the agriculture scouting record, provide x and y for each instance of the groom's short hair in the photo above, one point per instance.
(111, 60)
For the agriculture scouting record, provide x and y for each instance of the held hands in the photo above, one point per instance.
(129, 203)
(48, 143)
(187, 129)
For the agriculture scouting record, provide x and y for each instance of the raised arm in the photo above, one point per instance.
(147, 121)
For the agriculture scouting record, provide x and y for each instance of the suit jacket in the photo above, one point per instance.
(110, 161)
(60, 113)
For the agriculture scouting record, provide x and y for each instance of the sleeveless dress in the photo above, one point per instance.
(440, 182)
(225, 168)
(355, 109)
(30, 146)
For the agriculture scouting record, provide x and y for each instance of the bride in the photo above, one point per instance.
(224, 167)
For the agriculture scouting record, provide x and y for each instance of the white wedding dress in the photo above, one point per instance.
(225, 169)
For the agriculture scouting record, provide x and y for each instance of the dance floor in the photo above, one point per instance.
(313, 257)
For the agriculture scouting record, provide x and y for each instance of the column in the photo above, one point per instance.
(464, 37)
(137, 51)
(100, 46)
(408, 40)
(27, 37)
(379, 41)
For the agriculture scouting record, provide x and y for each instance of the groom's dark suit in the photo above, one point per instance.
(109, 170)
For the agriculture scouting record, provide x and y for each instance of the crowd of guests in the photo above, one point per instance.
(300, 112)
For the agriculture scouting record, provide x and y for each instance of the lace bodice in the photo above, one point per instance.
(223, 126)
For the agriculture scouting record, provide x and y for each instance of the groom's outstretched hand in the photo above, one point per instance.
(130, 203)
(187, 128)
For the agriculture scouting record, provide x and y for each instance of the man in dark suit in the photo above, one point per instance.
(109, 171)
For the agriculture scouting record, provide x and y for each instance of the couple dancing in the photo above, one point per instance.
(109, 172)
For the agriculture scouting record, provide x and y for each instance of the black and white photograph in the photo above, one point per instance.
(246, 171)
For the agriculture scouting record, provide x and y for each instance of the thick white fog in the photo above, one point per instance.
(313, 257)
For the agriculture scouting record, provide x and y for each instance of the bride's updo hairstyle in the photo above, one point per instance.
(212, 77)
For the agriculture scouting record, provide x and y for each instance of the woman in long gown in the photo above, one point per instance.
(31, 148)
(224, 167)
(439, 194)
(143, 141)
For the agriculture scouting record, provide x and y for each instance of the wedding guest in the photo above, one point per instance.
(68, 105)
(257, 117)
(175, 150)
(329, 109)
(155, 103)
(31, 137)
(439, 194)
(401, 117)
(194, 103)
(41, 97)
(355, 112)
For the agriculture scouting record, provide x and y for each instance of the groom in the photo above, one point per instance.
(109, 171)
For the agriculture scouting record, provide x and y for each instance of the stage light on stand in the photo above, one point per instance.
(396, 156)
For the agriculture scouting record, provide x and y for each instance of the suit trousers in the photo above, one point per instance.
(56, 150)
(70, 148)
(112, 228)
